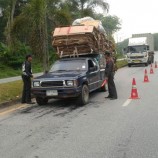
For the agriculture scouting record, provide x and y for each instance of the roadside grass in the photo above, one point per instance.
(119, 55)
(121, 63)
(10, 91)
(7, 71)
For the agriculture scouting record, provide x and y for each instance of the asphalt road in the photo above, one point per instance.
(104, 128)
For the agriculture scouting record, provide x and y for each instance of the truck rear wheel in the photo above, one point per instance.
(129, 65)
(146, 64)
(84, 96)
(41, 101)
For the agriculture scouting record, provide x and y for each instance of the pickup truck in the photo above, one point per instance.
(69, 78)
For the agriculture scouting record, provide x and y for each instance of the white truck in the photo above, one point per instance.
(140, 49)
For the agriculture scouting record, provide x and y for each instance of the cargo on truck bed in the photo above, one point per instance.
(81, 38)
(78, 40)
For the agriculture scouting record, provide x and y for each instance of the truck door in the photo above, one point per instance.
(93, 75)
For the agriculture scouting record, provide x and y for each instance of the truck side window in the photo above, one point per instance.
(90, 64)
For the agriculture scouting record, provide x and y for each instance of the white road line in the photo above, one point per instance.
(127, 102)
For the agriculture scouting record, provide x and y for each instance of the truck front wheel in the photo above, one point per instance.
(41, 101)
(84, 96)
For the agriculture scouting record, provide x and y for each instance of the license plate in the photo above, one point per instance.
(136, 61)
(51, 92)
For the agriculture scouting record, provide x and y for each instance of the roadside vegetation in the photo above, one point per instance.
(121, 63)
(8, 71)
(10, 91)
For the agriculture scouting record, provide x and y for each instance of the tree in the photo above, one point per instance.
(86, 7)
(10, 9)
(110, 23)
(34, 23)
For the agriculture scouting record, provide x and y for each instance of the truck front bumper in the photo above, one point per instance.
(61, 92)
(137, 61)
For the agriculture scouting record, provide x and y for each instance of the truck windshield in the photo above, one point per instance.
(69, 65)
(137, 49)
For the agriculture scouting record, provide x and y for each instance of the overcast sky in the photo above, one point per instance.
(137, 16)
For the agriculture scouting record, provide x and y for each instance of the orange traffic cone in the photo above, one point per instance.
(151, 69)
(146, 79)
(134, 93)
(155, 64)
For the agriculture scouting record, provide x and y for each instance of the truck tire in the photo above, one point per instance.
(83, 99)
(152, 60)
(149, 62)
(146, 64)
(41, 101)
(129, 65)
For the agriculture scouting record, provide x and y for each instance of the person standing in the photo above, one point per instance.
(26, 77)
(109, 75)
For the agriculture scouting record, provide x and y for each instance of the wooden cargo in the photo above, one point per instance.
(77, 40)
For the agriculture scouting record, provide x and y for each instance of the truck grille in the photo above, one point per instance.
(136, 57)
(51, 83)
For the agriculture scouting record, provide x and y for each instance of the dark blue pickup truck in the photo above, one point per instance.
(69, 78)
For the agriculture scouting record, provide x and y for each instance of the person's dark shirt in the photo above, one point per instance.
(26, 69)
(109, 69)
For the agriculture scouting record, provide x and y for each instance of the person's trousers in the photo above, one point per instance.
(112, 87)
(26, 94)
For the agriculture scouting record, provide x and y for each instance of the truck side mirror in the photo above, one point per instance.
(147, 47)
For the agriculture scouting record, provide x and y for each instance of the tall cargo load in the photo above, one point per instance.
(85, 36)
(76, 40)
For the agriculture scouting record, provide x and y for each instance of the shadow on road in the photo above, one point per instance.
(60, 107)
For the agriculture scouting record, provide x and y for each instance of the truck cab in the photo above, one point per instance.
(138, 52)
(70, 78)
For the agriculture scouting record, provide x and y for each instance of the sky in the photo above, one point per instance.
(137, 16)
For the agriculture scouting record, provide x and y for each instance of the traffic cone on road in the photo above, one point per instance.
(155, 64)
(151, 69)
(146, 79)
(134, 93)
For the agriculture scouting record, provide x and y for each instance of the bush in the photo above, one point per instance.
(13, 57)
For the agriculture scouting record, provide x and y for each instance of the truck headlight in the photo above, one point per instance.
(72, 83)
(36, 83)
(69, 83)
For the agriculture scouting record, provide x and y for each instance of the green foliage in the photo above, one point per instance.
(13, 59)
(121, 45)
(86, 7)
(119, 56)
(110, 23)
(10, 71)
(121, 63)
